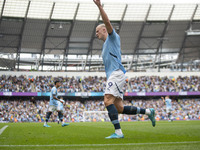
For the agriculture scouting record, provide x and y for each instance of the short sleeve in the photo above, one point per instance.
(54, 91)
(113, 35)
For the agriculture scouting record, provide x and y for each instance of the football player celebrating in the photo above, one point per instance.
(115, 74)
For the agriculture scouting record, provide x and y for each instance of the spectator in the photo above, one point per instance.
(34, 111)
(98, 84)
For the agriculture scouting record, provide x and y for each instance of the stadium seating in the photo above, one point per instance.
(29, 111)
(97, 84)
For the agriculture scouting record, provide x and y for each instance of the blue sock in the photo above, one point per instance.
(113, 114)
(132, 110)
(48, 116)
(60, 115)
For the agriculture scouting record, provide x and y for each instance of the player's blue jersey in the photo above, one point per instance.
(111, 54)
(168, 103)
(54, 92)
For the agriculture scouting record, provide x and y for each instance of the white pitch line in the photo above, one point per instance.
(96, 145)
(2, 129)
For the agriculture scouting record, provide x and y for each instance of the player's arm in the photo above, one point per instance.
(163, 99)
(54, 97)
(104, 16)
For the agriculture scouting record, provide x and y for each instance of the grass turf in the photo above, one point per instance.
(77, 135)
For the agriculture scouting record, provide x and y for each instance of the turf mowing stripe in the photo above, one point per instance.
(96, 145)
(2, 129)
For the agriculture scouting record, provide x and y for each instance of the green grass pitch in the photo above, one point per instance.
(177, 135)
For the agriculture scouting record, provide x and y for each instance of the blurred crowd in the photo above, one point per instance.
(98, 84)
(77, 111)
(165, 84)
(38, 84)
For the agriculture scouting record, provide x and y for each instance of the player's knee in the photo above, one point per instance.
(120, 109)
(50, 112)
(59, 112)
(107, 102)
(108, 99)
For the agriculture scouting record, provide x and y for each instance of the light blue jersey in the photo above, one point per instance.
(111, 54)
(168, 103)
(54, 92)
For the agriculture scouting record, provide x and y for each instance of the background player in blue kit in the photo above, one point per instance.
(54, 105)
(168, 103)
(115, 74)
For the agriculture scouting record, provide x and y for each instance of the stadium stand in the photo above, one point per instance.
(29, 111)
(97, 84)
(46, 40)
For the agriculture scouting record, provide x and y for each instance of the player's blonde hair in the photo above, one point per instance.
(102, 25)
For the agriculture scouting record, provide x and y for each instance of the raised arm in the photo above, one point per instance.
(163, 99)
(104, 16)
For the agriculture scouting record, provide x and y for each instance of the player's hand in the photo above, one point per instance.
(162, 97)
(97, 2)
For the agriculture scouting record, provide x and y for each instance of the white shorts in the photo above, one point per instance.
(115, 84)
(168, 110)
(53, 108)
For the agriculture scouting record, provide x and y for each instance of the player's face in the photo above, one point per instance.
(100, 32)
(58, 84)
